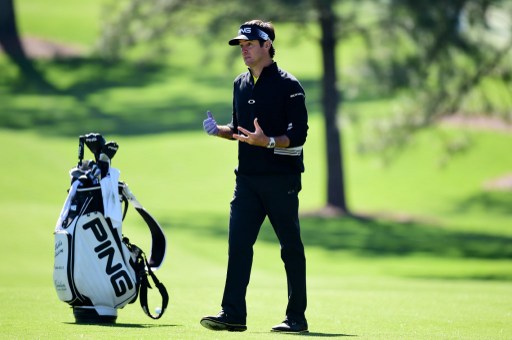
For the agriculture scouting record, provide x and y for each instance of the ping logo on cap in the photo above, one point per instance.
(249, 30)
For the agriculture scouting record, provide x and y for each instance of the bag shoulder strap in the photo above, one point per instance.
(158, 240)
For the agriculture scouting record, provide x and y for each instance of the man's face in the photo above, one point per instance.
(252, 53)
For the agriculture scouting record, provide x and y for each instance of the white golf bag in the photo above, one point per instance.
(96, 269)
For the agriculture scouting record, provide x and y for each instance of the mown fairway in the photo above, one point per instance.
(431, 260)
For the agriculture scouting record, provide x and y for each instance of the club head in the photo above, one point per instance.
(110, 148)
(94, 142)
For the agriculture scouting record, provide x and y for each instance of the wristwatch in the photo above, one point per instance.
(271, 143)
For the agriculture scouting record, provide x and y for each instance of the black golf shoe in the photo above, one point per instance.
(291, 326)
(222, 322)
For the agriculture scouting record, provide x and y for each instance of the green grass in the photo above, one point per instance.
(64, 21)
(370, 279)
(431, 261)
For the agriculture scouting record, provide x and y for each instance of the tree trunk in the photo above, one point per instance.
(330, 100)
(11, 44)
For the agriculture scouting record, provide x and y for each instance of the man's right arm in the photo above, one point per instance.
(225, 132)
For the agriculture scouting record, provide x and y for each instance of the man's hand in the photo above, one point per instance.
(210, 125)
(257, 137)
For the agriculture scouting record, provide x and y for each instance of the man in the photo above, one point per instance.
(270, 123)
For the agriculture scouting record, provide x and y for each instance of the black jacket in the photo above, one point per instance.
(278, 101)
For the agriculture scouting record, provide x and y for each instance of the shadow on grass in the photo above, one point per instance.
(122, 325)
(380, 237)
(84, 101)
(489, 202)
(82, 105)
(377, 237)
(314, 334)
(325, 335)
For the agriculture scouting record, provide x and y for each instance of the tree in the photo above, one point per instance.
(328, 21)
(118, 36)
(441, 54)
(11, 43)
(436, 52)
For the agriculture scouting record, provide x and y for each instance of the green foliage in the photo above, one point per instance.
(129, 24)
(443, 58)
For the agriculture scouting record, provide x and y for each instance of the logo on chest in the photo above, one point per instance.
(251, 101)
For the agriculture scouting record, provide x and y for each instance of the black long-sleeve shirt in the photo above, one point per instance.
(278, 101)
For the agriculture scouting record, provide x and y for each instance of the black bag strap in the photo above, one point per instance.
(145, 285)
(158, 240)
(158, 250)
(125, 203)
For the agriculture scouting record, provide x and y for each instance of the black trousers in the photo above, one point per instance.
(255, 198)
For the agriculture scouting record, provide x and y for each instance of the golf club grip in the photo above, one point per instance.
(81, 141)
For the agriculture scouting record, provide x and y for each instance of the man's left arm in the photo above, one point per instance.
(297, 115)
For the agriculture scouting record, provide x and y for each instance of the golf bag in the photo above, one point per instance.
(96, 268)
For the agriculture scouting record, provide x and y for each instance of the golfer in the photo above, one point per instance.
(270, 123)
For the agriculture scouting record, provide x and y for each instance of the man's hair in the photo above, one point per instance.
(267, 27)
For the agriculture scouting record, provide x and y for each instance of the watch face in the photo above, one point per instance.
(271, 143)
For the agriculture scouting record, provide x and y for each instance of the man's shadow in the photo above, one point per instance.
(327, 335)
(122, 325)
(315, 334)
